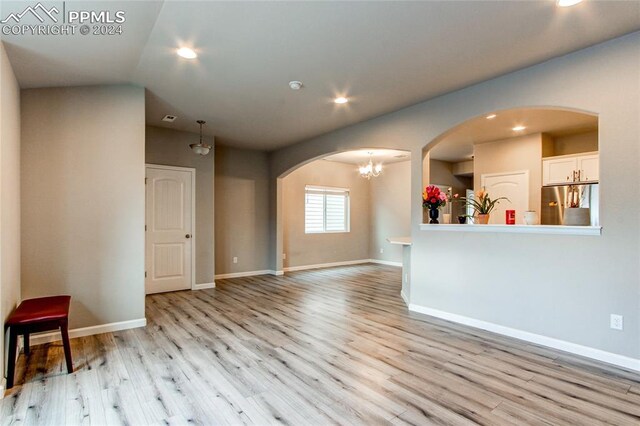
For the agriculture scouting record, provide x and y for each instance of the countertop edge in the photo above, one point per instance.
(514, 229)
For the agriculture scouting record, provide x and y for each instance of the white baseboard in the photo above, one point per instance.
(245, 274)
(297, 268)
(386, 262)
(585, 351)
(40, 338)
(405, 298)
(3, 386)
(326, 265)
(344, 263)
(204, 286)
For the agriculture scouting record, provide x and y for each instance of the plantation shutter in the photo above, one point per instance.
(326, 209)
(314, 213)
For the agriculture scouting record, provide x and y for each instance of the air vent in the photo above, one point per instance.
(169, 118)
(401, 156)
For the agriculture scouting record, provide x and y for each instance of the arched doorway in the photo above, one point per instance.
(339, 228)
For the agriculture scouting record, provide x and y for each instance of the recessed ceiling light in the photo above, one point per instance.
(341, 100)
(518, 128)
(187, 53)
(491, 116)
(567, 3)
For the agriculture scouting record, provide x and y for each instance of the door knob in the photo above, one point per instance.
(188, 236)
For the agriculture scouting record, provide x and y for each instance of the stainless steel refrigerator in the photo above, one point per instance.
(556, 198)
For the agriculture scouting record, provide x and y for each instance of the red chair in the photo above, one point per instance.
(35, 315)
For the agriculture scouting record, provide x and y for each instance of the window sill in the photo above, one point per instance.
(514, 229)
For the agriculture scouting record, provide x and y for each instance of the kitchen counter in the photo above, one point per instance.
(403, 241)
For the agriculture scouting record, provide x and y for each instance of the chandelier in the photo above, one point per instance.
(368, 171)
(200, 148)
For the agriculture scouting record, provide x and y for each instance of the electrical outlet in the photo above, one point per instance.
(284, 256)
(381, 250)
(617, 322)
(235, 259)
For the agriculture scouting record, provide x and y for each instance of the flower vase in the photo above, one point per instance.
(481, 219)
(433, 214)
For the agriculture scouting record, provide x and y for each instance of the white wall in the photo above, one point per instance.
(9, 193)
(171, 148)
(83, 200)
(390, 207)
(563, 287)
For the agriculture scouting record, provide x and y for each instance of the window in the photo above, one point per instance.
(326, 210)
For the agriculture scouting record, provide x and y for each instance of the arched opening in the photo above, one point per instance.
(542, 162)
(337, 208)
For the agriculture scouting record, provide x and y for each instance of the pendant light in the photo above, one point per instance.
(200, 148)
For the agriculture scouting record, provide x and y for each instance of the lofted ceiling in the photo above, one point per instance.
(381, 55)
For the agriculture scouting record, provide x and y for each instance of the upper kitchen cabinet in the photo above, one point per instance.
(589, 167)
(567, 169)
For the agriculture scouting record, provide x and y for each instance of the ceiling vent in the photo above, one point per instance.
(169, 118)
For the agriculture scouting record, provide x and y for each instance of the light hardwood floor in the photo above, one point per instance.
(317, 347)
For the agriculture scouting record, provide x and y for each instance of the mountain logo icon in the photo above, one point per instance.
(38, 11)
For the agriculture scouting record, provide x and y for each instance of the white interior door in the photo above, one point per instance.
(514, 186)
(169, 229)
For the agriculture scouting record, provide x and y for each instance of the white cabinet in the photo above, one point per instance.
(589, 167)
(558, 170)
(568, 169)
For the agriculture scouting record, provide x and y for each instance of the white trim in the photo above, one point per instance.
(386, 262)
(593, 353)
(244, 274)
(514, 229)
(192, 170)
(326, 265)
(52, 336)
(3, 386)
(553, 157)
(325, 188)
(300, 268)
(405, 298)
(334, 264)
(204, 286)
(166, 167)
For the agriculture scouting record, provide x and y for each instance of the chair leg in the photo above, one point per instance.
(64, 329)
(11, 365)
(26, 344)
